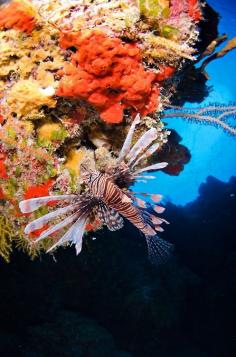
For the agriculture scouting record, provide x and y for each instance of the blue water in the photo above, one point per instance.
(213, 151)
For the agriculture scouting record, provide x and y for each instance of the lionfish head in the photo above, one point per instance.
(87, 171)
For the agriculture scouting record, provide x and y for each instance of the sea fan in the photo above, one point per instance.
(214, 114)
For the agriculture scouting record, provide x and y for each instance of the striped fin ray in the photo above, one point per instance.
(110, 218)
(153, 148)
(153, 196)
(40, 222)
(58, 226)
(78, 231)
(78, 235)
(73, 235)
(156, 197)
(159, 166)
(31, 205)
(140, 203)
(145, 177)
(127, 144)
(153, 219)
(143, 142)
(159, 250)
(158, 209)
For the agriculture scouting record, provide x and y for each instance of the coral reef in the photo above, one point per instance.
(72, 79)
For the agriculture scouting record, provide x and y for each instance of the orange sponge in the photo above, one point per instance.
(17, 16)
(108, 73)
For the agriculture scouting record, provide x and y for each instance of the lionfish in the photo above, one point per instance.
(108, 198)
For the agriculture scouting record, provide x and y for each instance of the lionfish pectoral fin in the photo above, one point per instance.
(32, 204)
(78, 233)
(154, 167)
(73, 235)
(158, 209)
(156, 197)
(159, 250)
(40, 222)
(57, 227)
(109, 217)
(78, 247)
(140, 203)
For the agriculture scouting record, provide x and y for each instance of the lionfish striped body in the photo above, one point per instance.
(107, 200)
(103, 188)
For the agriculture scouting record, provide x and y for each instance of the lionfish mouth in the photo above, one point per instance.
(108, 200)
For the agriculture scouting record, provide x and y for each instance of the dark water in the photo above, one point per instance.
(111, 302)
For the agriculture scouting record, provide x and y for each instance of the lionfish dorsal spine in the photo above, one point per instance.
(147, 154)
(128, 141)
(154, 167)
(142, 143)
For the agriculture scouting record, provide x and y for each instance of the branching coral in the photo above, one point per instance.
(108, 73)
(157, 42)
(231, 45)
(6, 237)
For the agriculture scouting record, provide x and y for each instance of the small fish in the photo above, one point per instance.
(105, 197)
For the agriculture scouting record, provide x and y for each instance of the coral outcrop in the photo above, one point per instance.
(72, 79)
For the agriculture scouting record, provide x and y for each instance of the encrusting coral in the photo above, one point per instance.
(27, 97)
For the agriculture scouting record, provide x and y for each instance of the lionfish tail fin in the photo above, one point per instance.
(159, 250)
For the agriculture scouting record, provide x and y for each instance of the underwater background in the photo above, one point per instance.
(109, 301)
(212, 151)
